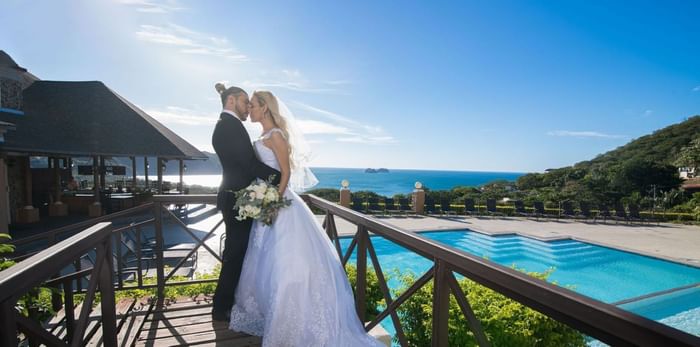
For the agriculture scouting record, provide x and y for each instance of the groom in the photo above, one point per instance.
(240, 167)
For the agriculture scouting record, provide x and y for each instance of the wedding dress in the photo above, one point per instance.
(293, 290)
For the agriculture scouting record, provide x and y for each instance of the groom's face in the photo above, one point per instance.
(241, 105)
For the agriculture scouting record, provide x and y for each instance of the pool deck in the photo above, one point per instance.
(675, 242)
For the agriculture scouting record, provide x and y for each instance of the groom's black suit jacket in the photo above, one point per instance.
(240, 165)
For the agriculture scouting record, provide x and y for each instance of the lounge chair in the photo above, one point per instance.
(491, 208)
(446, 207)
(604, 212)
(390, 207)
(567, 209)
(620, 213)
(469, 208)
(519, 209)
(404, 206)
(429, 206)
(358, 205)
(585, 210)
(373, 206)
(634, 213)
(539, 209)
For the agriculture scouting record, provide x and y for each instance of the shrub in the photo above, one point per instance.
(374, 297)
(505, 321)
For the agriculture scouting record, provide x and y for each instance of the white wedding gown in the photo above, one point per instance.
(293, 290)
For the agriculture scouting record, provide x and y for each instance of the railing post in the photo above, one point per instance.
(69, 307)
(160, 271)
(361, 283)
(441, 305)
(8, 326)
(109, 314)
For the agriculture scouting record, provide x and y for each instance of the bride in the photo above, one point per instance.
(293, 290)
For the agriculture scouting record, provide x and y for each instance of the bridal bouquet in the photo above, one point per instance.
(260, 200)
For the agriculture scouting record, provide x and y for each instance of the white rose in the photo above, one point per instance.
(254, 211)
(271, 195)
(260, 191)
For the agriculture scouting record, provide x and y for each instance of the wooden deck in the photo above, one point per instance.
(183, 322)
(188, 322)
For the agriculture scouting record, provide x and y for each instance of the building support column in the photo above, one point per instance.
(133, 173)
(4, 199)
(181, 187)
(145, 171)
(28, 213)
(95, 209)
(160, 163)
(57, 208)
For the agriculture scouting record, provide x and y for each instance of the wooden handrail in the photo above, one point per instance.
(82, 225)
(603, 321)
(39, 267)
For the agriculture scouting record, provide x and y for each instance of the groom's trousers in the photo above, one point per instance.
(235, 246)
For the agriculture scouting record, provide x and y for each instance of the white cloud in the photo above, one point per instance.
(189, 41)
(148, 6)
(368, 139)
(179, 115)
(355, 131)
(583, 134)
(648, 113)
(696, 89)
(310, 127)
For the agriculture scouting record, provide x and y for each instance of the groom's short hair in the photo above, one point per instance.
(235, 91)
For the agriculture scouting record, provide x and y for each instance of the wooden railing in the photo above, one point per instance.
(19, 279)
(605, 322)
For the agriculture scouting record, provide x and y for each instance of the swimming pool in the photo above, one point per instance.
(603, 273)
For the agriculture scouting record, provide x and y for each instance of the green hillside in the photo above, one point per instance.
(637, 171)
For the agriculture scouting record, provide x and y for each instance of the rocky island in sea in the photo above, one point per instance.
(380, 170)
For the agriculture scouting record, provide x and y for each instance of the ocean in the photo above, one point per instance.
(388, 184)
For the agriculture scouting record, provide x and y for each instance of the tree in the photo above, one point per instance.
(689, 156)
(638, 175)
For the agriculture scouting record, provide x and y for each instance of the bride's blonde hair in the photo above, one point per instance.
(265, 98)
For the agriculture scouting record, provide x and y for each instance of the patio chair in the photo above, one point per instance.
(373, 206)
(567, 209)
(620, 213)
(358, 205)
(390, 207)
(634, 213)
(603, 211)
(404, 206)
(539, 209)
(469, 208)
(519, 209)
(429, 206)
(585, 210)
(491, 208)
(446, 207)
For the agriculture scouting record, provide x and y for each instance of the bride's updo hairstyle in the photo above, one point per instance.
(265, 98)
(226, 92)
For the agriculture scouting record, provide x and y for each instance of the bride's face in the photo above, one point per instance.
(256, 111)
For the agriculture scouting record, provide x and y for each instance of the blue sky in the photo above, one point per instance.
(461, 85)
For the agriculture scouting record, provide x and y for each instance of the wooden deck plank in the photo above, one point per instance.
(178, 321)
(188, 321)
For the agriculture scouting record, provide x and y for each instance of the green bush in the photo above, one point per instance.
(505, 321)
(374, 296)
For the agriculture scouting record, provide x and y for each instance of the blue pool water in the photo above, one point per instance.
(605, 274)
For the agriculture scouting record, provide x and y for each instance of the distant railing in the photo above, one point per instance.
(605, 322)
